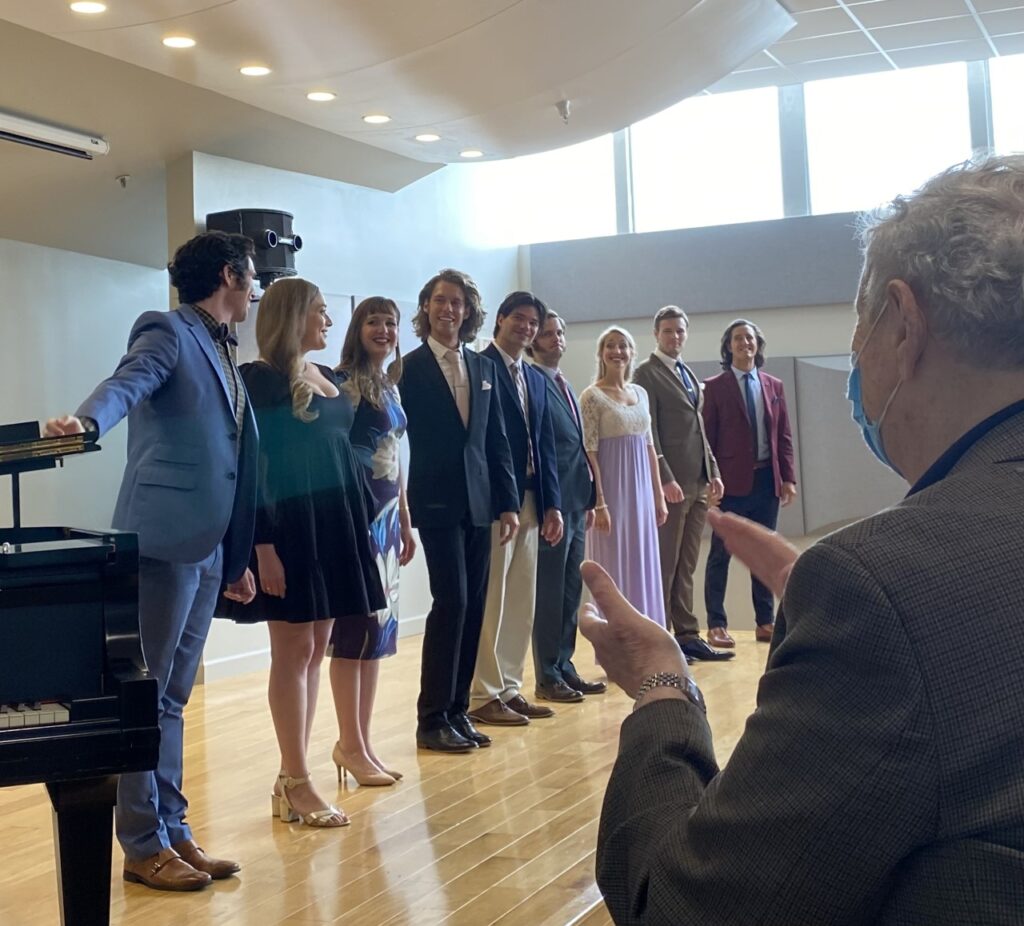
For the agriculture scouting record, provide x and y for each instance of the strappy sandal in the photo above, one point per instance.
(328, 817)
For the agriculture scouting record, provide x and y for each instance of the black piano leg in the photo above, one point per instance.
(82, 828)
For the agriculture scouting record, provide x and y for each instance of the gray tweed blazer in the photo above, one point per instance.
(881, 778)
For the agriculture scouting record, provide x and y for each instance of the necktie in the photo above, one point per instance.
(518, 381)
(460, 390)
(564, 386)
(748, 388)
(687, 385)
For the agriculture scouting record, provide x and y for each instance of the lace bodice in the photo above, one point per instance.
(604, 417)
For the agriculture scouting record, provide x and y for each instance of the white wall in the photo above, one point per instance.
(64, 323)
(361, 242)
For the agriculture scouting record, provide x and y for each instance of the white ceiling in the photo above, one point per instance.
(835, 38)
(485, 74)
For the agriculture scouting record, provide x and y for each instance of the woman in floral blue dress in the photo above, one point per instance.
(357, 643)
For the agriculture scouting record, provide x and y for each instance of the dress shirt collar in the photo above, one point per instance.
(551, 372)
(509, 361)
(739, 374)
(439, 350)
(670, 362)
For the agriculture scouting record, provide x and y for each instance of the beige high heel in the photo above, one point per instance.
(328, 817)
(375, 778)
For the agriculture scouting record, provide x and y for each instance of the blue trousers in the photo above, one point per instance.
(762, 506)
(176, 602)
(559, 588)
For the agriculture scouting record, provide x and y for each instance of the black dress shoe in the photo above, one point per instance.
(574, 681)
(444, 739)
(696, 648)
(462, 725)
(559, 691)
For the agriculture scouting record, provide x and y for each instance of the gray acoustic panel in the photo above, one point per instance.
(842, 481)
(805, 261)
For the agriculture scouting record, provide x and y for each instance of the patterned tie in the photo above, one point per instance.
(564, 386)
(459, 388)
(687, 385)
(515, 369)
(748, 388)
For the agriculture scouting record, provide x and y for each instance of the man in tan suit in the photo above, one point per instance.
(688, 472)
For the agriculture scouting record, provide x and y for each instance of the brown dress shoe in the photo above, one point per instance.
(496, 713)
(521, 706)
(165, 871)
(719, 636)
(763, 633)
(216, 868)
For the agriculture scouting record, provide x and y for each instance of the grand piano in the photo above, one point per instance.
(77, 706)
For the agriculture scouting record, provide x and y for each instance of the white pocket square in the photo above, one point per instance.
(484, 385)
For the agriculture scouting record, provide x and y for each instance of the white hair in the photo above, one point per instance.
(958, 242)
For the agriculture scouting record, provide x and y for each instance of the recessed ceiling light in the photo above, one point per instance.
(320, 96)
(83, 7)
(254, 70)
(471, 153)
(428, 136)
(376, 118)
(179, 41)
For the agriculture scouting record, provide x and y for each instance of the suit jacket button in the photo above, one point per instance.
(231, 475)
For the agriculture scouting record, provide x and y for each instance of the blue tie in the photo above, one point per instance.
(687, 385)
(748, 388)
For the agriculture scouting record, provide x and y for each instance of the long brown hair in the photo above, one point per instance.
(475, 313)
(280, 323)
(365, 379)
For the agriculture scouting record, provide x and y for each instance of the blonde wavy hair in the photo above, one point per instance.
(365, 379)
(605, 335)
(280, 323)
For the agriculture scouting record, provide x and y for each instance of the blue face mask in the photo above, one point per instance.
(871, 430)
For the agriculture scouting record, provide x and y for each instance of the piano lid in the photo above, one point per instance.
(23, 449)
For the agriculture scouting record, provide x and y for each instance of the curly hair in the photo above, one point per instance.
(474, 305)
(365, 379)
(958, 243)
(196, 267)
(280, 322)
(725, 348)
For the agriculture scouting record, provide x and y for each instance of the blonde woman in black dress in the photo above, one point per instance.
(312, 558)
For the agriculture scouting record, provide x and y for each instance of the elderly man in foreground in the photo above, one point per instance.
(880, 779)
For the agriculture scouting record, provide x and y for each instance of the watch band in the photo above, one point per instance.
(683, 683)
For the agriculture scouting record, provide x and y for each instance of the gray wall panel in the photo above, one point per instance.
(842, 480)
(805, 261)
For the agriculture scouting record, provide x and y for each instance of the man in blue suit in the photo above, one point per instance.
(508, 612)
(460, 480)
(189, 492)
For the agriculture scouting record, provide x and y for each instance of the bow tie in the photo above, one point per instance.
(222, 335)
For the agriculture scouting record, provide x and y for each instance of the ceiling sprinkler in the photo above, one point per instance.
(564, 108)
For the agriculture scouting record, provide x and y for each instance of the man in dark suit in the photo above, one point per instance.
(747, 426)
(460, 479)
(689, 472)
(559, 585)
(496, 696)
(879, 781)
(189, 492)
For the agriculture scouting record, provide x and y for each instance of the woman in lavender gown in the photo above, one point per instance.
(630, 502)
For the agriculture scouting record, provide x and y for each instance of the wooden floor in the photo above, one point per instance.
(505, 835)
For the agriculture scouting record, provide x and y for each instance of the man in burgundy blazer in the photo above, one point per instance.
(747, 427)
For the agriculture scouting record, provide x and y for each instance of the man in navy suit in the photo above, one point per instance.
(460, 480)
(496, 696)
(189, 492)
(747, 426)
(559, 585)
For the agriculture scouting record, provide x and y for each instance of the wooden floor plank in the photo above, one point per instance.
(505, 835)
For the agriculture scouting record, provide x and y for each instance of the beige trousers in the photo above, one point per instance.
(508, 611)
